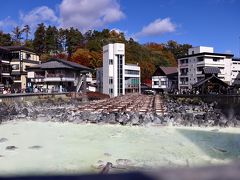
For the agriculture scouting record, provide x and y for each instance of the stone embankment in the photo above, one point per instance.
(131, 109)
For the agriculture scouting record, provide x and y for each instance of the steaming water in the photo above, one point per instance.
(74, 148)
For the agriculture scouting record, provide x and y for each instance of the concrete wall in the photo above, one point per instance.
(11, 98)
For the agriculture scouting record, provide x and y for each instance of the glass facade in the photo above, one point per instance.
(120, 74)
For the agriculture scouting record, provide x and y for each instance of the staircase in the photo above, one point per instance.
(79, 83)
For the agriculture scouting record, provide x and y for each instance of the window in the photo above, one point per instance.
(15, 66)
(110, 91)
(155, 82)
(163, 82)
(199, 68)
(132, 72)
(110, 80)
(110, 61)
(192, 52)
(15, 55)
(28, 56)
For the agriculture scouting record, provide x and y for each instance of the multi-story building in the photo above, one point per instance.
(58, 75)
(22, 57)
(235, 72)
(190, 67)
(5, 68)
(115, 77)
(165, 79)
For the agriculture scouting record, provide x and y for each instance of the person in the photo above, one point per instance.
(5, 91)
(35, 90)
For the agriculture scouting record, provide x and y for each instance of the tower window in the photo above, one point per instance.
(110, 61)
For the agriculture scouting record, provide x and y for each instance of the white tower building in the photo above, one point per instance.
(115, 77)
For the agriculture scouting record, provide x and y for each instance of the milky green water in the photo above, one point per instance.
(77, 148)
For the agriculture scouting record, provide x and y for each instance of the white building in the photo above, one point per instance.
(165, 79)
(115, 77)
(190, 67)
(235, 72)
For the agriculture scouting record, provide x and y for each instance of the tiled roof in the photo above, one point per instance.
(3, 49)
(213, 77)
(60, 64)
(169, 70)
(18, 48)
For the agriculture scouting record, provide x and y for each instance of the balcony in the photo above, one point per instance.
(184, 74)
(60, 75)
(183, 83)
(59, 79)
(183, 65)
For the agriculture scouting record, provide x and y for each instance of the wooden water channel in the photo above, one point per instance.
(127, 103)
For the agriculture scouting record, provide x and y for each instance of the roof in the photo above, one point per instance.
(211, 70)
(3, 49)
(169, 70)
(207, 53)
(18, 48)
(213, 77)
(55, 63)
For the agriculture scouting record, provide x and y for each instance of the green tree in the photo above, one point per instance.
(73, 40)
(5, 39)
(39, 39)
(51, 40)
(178, 50)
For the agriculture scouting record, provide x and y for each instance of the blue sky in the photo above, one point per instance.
(207, 22)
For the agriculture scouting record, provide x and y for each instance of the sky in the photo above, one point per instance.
(213, 23)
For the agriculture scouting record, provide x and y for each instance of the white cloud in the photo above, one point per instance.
(7, 23)
(39, 15)
(89, 14)
(158, 27)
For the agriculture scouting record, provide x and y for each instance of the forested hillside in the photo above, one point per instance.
(86, 48)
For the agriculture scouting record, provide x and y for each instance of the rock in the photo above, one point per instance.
(123, 118)
(11, 147)
(21, 116)
(147, 118)
(220, 149)
(123, 162)
(160, 120)
(222, 121)
(93, 117)
(35, 147)
(135, 119)
(25, 112)
(13, 111)
(107, 154)
(110, 118)
(2, 140)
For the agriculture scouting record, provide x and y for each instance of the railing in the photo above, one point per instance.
(60, 75)
(183, 74)
(183, 83)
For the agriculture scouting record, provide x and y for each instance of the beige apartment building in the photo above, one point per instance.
(22, 58)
